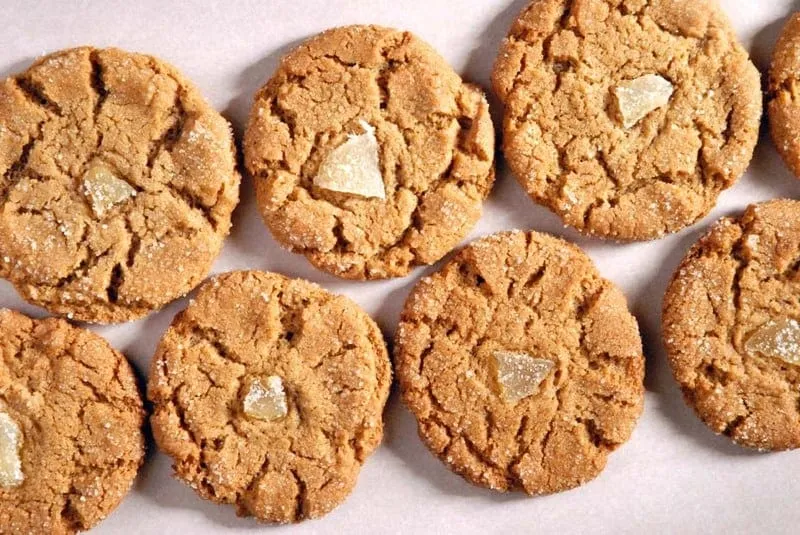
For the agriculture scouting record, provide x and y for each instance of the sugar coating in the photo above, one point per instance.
(104, 189)
(637, 98)
(519, 374)
(10, 446)
(354, 166)
(266, 399)
(778, 339)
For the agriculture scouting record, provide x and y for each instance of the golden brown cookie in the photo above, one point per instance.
(71, 415)
(627, 118)
(369, 153)
(118, 183)
(269, 394)
(730, 325)
(522, 365)
(784, 86)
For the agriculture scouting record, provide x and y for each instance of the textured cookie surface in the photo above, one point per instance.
(784, 88)
(730, 326)
(565, 138)
(118, 182)
(75, 403)
(435, 146)
(516, 293)
(280, 454)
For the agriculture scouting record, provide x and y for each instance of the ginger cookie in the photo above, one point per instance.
(784, 85)
(118, 183)
(522, 365)
(268, 394)
(71, 421)
(627, 118)
(730, 326)
(370, 155)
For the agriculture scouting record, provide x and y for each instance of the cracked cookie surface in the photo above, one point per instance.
(564, 137)
(118, 183)
(784, 89)
(333, 368)
(436, 151)
(739, 278)
(77, 405)
(532, 293)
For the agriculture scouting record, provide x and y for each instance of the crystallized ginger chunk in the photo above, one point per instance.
(354, 166)
(637, 98)
(104, 189)
(778, 339)
(10, 445)
(519, 374)
(266, 399)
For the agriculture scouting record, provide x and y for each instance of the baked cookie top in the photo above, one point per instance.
(268, 393)
(522, 365)
(627, 118)
(730, 326)
(369, 153)
(784, 86)
(70, 426)
(118, 183)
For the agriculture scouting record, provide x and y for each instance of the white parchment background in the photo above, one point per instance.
(673, 476)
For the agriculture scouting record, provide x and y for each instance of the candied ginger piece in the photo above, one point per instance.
(779, 339)
(266, 399)
(519, 374)
(10, 445)
(637, 98)
(354, 166)
(104, 189)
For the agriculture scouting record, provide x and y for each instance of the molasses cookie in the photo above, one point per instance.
(70, 426)
(118, 183)
(784, 85)
(627, 118)
(369, 153)
(522, 365)
(268, 394)
(730, 325)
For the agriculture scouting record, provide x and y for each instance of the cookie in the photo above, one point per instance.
(627, 118)
(71, 420)
(522, 365)
(118, 183)
(784, 82)
(730, 326)
(369, 153)
(268, 394)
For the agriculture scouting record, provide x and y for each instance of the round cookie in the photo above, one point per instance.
(730, 326)
(71, 421)
(522, 365)
(784, 77)
(268, 394)
(369, 153)
(118, 183)
(627, 118)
